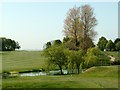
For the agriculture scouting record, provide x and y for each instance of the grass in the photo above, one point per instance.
(22, 60)
(95, 77)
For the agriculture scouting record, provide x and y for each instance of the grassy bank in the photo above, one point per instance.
(95, 77)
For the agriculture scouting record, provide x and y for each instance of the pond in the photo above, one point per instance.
(57, 72)
(54, 72)
(40, 73)
(33, 74)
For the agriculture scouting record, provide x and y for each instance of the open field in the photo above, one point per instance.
(22, 60)
(95, 77)
(27, 60)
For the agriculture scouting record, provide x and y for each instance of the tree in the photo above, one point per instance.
(117, 45)
(71, 45)
(8, 44)
(102, 43)
(56, 56)
(57, 42)
(110, 46)
(75, 58)
(116, 40)
(72, 24)
(65, 39)
(89, 44)
(17, 45)
(79, 25)
(78, 58)
(47, 45)
(52, 43)
(88, 22)
(95, 57)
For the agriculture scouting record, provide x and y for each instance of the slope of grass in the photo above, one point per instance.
(22, 60)
(95, 77)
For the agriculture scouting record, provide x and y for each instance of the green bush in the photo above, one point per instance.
(95, 57)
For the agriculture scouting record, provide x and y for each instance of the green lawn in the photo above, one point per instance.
(22, 60)
(95, 77)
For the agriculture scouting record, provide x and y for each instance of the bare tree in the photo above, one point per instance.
(72, 24)
(79, 26)
(88, 22)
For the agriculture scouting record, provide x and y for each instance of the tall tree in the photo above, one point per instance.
(88, 22)
(79, 26)
(72, 24)
(102, 43)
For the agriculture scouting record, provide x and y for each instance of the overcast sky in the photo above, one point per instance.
(32, 24)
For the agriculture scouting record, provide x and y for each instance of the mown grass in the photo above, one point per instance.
(22, 60)
(96, 77)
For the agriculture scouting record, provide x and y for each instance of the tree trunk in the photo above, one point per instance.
(61, 70)
(78, 70)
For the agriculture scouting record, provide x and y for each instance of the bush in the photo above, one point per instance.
(95, 57)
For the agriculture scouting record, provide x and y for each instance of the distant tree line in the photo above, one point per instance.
(109, 45)
(8, 44)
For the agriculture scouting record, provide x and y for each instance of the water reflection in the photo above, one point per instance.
(43, 73)
(33, 74)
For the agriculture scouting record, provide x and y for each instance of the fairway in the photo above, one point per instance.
(95, 77)
(22, 60)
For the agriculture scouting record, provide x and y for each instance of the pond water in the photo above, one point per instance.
(33, 74)
(58, 72)
(43, 73)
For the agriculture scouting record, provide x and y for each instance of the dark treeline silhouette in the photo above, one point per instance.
(8, 44)
(109, 45)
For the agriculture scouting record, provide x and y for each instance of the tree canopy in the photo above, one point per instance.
(8, 44)
(110, 46)
(94, 57)
(56, 56)
(117, 45)
(102, 43)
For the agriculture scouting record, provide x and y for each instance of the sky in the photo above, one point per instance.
(33, 24)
